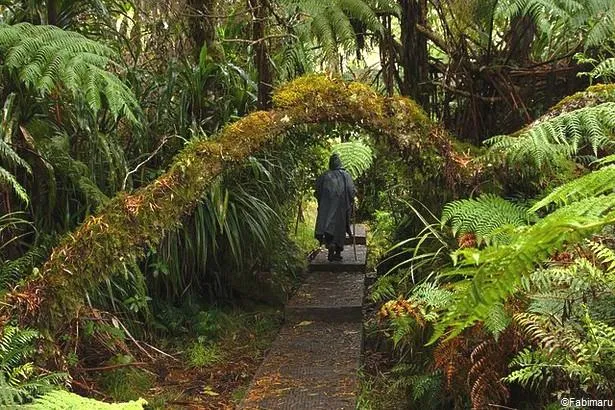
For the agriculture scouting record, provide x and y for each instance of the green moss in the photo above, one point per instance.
(592, 95)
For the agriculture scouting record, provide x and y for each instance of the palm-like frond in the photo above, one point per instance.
(561, 136)
(356, 156)
(485, 216)
(330, 22)
(46, 58)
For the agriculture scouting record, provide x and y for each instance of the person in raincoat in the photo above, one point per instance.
(335, 192)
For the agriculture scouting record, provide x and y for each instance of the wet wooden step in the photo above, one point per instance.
(328, 297)
(311, 366)
(347, 264)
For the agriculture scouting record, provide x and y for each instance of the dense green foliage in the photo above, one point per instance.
(59, 400)
(141, 192)
(528, 290)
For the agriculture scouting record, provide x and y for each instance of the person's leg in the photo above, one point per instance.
(330, 246)
(337, 255)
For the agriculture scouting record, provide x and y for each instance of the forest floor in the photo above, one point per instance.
(212, 373)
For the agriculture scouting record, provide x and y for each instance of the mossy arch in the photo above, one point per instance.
(130, 221)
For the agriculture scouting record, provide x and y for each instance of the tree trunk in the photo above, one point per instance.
(52, 12)
(413, 56)
(201, 28)
(261, 55)
(519, 39)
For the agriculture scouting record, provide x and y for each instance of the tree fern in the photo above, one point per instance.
(47, 59)
(591, 22)
(485, 216)
(560, 137)
(356, 157)
(329, 22)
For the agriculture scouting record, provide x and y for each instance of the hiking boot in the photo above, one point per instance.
(331, 254)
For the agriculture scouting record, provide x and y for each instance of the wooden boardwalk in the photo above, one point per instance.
(314, 361)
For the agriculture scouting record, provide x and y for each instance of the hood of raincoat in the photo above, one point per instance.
(335, 162)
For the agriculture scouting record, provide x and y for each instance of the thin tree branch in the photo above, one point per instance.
(128, 174)
(252, 42)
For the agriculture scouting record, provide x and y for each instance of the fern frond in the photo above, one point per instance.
(605, 70)
(46, 58)
(590, 185)
(356, 156)
(8, 179)
(497, 320)
(484, 216)
(329, 22)
(560, 137)
(56, 152)
(8, 157)
(11, 158)
(533, 369)
(496, 271)
(605, 255)
(63, 400)
(431, 295)
(16, 346)
(13, 270)
(603, 29)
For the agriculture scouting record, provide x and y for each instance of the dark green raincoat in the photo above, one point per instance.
(335, 192)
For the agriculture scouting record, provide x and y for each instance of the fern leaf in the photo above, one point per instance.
(356, 157)
(590, 185)
(605, 69)
(496, 271)
(46, 58)
(6, 178)
(484, 216)
(560, 137)
(63, 400)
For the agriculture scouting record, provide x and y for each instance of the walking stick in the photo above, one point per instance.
(354, 232)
